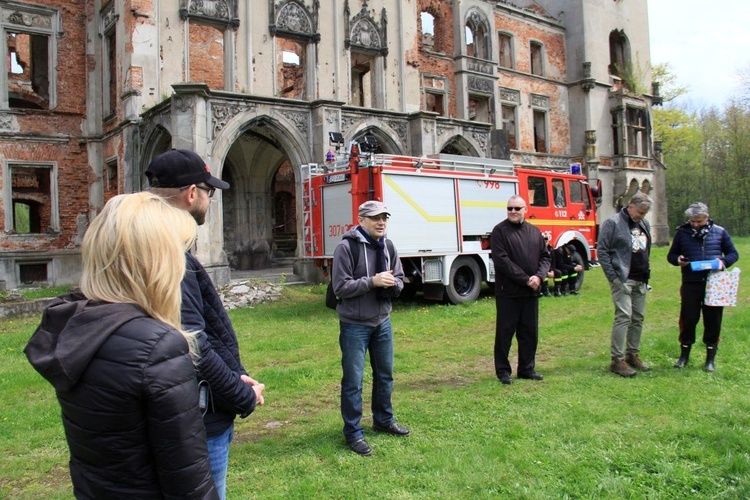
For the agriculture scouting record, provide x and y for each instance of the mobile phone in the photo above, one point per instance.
(685, 259)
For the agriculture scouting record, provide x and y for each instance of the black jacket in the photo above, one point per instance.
(220, 365)
(129, 399)
(518, 253)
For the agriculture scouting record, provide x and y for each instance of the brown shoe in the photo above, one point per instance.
(621, 368)
(636, 362)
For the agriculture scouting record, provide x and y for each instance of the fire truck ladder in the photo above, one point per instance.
(308, 241)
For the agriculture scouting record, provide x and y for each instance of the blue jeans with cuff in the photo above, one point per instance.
(354, 341)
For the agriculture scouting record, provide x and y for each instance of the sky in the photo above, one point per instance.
(705, 43)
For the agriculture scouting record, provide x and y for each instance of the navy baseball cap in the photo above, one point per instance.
(179, 168)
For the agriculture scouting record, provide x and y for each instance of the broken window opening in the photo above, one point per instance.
(110, 75)
(537, 58)
(480, 109)
(30, 274)
(29, 77)
(428, 29)
(619, 53)
(362, 80)
(506, 50)
(435, 102)
(31, 200)
(509, 124)
(291, 76)
(477, 42)
(540, 131)
(637, 126)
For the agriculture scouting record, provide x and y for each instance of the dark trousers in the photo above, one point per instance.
(691, 307)
(519, 316)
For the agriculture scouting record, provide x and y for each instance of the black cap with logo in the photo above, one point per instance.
(179, 168)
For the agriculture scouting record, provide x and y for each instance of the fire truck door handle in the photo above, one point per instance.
(532, 216)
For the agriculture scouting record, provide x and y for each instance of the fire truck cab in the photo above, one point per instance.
(443, 208)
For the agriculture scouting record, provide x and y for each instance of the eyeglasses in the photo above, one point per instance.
(208, 189)
(382, 217)
(516, 209)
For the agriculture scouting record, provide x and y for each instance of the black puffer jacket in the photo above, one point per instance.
(714, 243)
(129, 399)
(220, 364)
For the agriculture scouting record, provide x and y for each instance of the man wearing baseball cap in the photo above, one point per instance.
(365, 289)
(184, 179)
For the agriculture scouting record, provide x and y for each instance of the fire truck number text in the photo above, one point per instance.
(561, 213)
(489, 184)
(336, 230)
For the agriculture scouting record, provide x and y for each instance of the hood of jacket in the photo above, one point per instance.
(72, 330)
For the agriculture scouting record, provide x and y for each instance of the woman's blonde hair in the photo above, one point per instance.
(134, 252)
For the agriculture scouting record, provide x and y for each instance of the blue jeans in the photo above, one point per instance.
(354, 341)
(218, 455)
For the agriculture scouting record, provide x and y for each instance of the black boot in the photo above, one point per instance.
(710, 356)
(684, 356)
(557, 290)
(564, 288)
(545, 289)
(572, 286)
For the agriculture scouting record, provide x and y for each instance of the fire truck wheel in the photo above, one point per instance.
(576, 258)
(465, 281)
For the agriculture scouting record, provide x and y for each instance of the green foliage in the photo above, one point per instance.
(633, 76)
(581, 433)
(670, 89)
(21, 224)
(707, 156)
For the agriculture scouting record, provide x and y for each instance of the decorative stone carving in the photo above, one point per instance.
(28, 19)
(510, 95)
(442, 129)
(109, 18)
(8, 124)
(481, 139)
(362, 31)
(223, 112)
(481, 85)
(181, 103)
(539, 101)
(400, 128)
(293, 18)
(220, 12)
(347, 121)
(332, 117)
(366, 35)
(299, 119)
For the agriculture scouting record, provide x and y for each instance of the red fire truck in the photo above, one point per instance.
(443, 210)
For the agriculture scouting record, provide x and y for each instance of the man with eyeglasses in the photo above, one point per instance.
(184, 179)
(365, 289)
(521, 260)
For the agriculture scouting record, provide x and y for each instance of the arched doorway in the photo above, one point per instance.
(259, 209)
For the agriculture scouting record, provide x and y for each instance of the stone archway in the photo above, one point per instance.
(259, 209)
(459, 145)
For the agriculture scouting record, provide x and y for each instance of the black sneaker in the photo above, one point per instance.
(531, 376)
(393, 428)
(360, 447)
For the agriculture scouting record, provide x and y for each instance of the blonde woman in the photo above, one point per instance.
(121, 365)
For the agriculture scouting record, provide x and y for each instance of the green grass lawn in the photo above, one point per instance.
(581, 433)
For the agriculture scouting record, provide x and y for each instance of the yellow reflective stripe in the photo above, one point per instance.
(415, 205)
(483, 204)
(561, 222)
